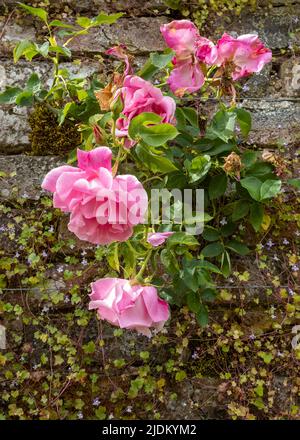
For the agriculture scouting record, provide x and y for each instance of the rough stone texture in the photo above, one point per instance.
(140, 35)
(277, 27)
(273, 122)
(12, 34)
(14, 130)
(24, 175)
(134, 7)
(14, 75)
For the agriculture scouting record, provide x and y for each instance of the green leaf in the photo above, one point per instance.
(173, 4)
(294, 182)
(202, 316)
(238, 247)
(62, 50)
(169, 260)
(106, 18)
(191, 116)
(208, 266)
(143, 118)
(240, 209)
(58, 23)
(244, 120)
(209, 294)
(43, 49)
(256, 216)
(156, 135)
(193, 302)
(198, 168)
(84, 22)
(226, 264)
(249, 158)
(147, 127)
(154, 162)
(34, 83)
(155, 63)
(9, 95)
(67, 108)
(217, 186)
(210, 234)
(259, 169)
(252, 185)
(270, 188)
(37, 12)
(212, 250)
(182, 238)
(222, 126)
(21, 48)
(25, 99)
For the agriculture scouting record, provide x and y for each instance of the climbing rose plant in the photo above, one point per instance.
(145, 130)
(144, 120)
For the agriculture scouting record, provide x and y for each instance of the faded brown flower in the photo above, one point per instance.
(233, 164)
(104, 97)
(277, 161)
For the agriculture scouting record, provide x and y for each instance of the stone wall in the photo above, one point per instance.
(273, 97)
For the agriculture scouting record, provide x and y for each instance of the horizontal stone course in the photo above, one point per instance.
(140, 34)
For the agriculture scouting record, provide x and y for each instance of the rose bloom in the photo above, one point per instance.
(158, 238)
(191, 51)
(244, 55)
(129, 306)
(103, 208)
(139, 96)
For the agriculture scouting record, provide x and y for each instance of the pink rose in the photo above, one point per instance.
(181, 36)
(244, 55)
(103, 208)
(191, 52)
(141, 96)
(128, 306)
(186, 77)
(206, 51)
(158, 238)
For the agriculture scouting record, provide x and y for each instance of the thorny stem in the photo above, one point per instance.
(139, 276)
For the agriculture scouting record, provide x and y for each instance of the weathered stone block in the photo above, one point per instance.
(16, 75)
(24, 175)
(274, 122)
(14, 130)
(140, 35)
(277, 27)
